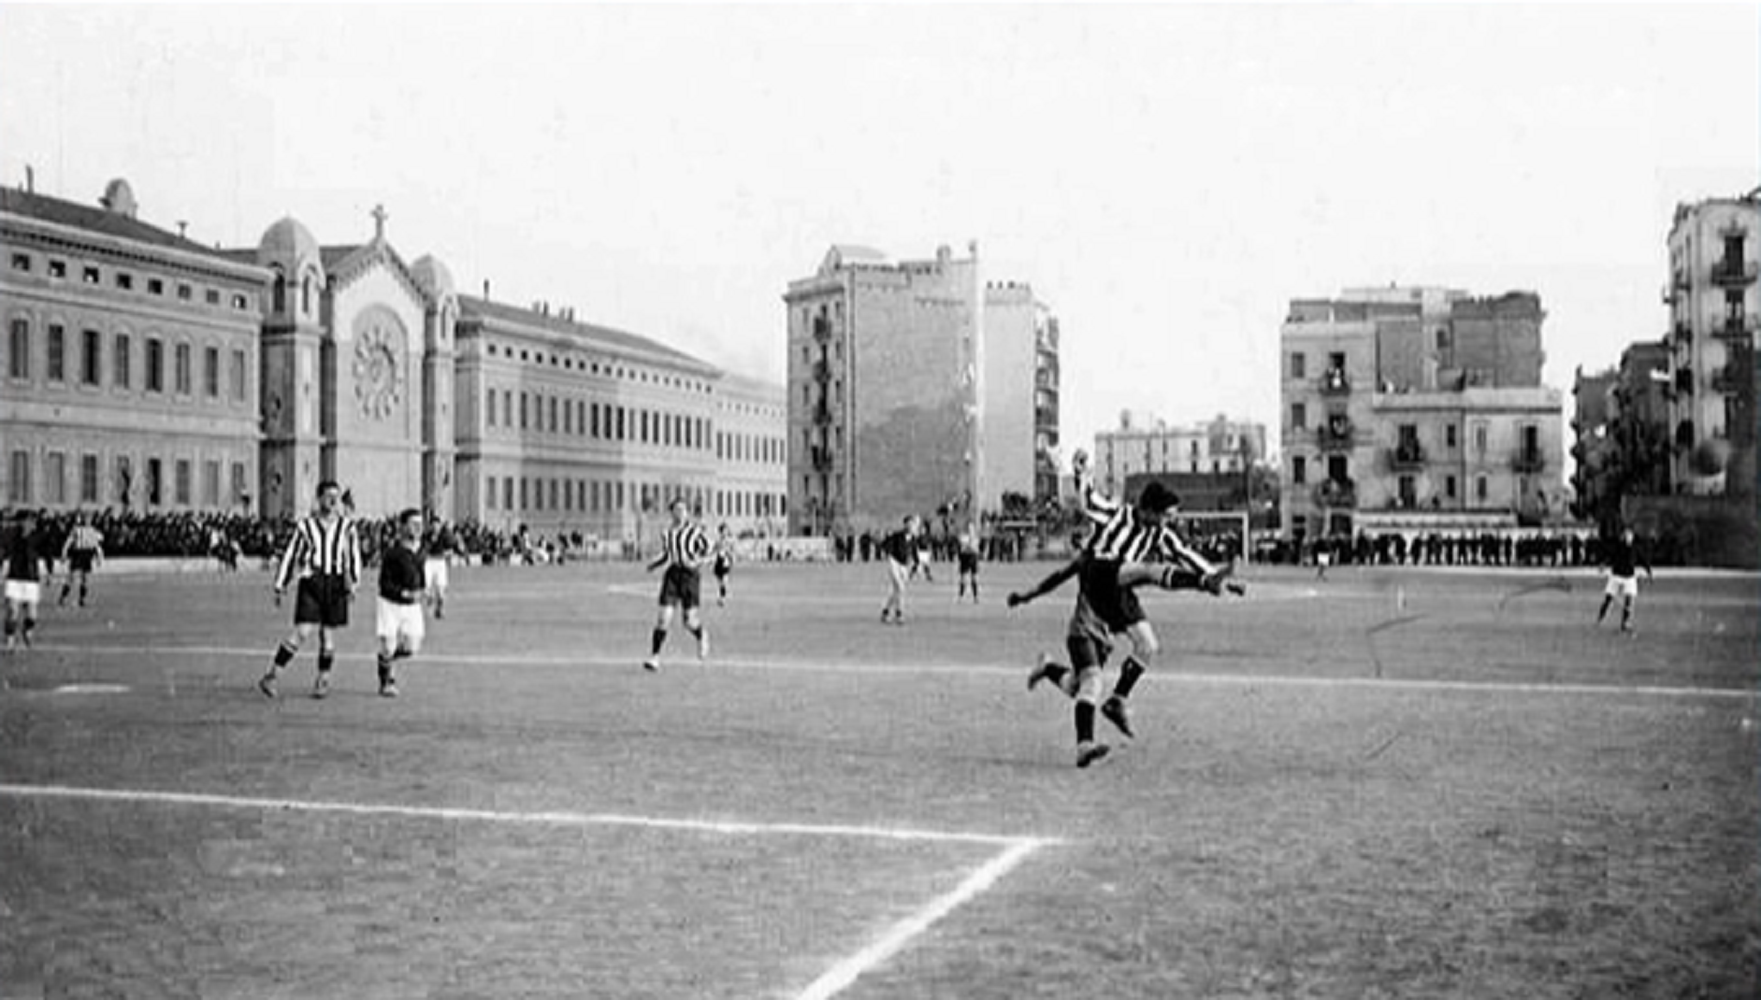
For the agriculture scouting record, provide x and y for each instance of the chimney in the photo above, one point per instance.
(30, 179)
(486, 289)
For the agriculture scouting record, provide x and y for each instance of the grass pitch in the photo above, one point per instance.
(1389, 783)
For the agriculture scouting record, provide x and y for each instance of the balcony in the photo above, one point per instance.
(1334, 383)
(822, 372)
(1334, 435)
(1045, 417)
(821, 459)
(1741, 328)
(1334, 493)
(1406, 455)
(1734, 273)
(1528, 460)
(822, 414)
(1684, 380)
(822, 328)
(1730, 378)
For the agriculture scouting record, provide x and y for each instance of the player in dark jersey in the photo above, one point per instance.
(900, 552)
(25, 573)
(684, 547)
(324, 558)
(82, 550)
(724, 563)
(402, 586)
(1623, 561)
(968, 557)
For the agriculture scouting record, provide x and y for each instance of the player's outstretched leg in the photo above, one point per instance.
(1088, 687)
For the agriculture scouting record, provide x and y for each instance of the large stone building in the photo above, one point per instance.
(1143, 444)
(143, 370)
(131, 357)
(1416, 408)
(1714, 249)
(915, 386)
(1621, 423)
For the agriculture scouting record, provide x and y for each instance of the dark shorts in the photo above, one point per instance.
(80, 560)
(1088, 640)
(682, 587)
(322, 600)
(969, 563)
(722, 566)
(1117, 607)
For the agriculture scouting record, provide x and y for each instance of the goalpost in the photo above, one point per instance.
(1220, 535)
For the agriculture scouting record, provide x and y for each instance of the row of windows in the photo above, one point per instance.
(1299, 363)
(53, 485)
(519, 494)
(598, 421)
(595, 367)
(127, 281)
(80, 359)
(749, 448)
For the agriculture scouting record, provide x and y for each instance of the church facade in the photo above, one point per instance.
(143, 370)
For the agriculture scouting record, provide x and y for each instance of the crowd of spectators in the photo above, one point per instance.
(1530, 549)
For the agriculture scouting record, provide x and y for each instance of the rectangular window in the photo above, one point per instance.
(593, 418)
(1298, 366)
(1299, 417)
(1449, 439)
(524, 497)
(1299, 470)
(55, 478)
(241, 377)
(1480, 440)
(489, 408)
(1336, 361)
(125, 280)
(211, 296)
(1480, 487)
(240, 302)
(120, 362)
(125, 478)
(155, 482)
(185, 292)
(57, 353)
(155, 286)
(522, 425)
(1409, 491)
(211, 484)
(507, 493)
(155, 365)
(553, 416)
(58, 269)
(181, 369)
(89, 275)
(92, 358)
(623, 412)
(1449, 487)
(21, 262)
(238, 491)
(182, 473)
(553, 494)
(18, 486)
(211, 371)
(18, 349)
(88, 479)
(568, 416)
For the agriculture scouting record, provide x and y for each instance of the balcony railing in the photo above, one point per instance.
(1729, 379)
(822, 459)
(1335, 435)
(1334, 493)
(822, 328)
(1734, 272)
(1407, 455)
(1735, 328)
(1334, 383)
(822, 371)
(822, 414)
(1527, 460)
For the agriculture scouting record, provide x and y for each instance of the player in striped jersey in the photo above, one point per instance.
(83, 549)
(684, 547)
(324, 558)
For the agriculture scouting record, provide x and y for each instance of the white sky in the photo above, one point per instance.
(1167, 177)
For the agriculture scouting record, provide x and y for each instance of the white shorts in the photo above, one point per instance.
(434, 574)
(24, 591)
(1622, 586)
(400, 624)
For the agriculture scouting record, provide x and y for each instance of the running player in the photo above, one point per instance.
(401, 589)
(325, 558)
(83, 549)
(26, 571)
(724, 563)
(1623, 561)
(900, 550)
(968, 562)
(684, 548)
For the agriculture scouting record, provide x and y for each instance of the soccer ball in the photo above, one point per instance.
(1709, 457)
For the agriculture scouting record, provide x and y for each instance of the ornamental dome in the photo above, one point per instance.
(433, 278)
(289, 244)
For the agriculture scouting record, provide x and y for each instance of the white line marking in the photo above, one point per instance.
(829, 984)
(562, 818)
(974, 669)
(90, 689)
(845, 972)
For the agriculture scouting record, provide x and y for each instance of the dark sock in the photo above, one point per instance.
(1085, 722)
(65, 589)
(695, 630)
(1602, 612)
(82, 592)
(658, 641)
(384, 668)
(284, 654)
(1129, 672)
(325, 662)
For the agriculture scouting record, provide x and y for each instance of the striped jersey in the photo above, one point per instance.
(321, 549)
(1120, 537)
(686, 545)
(83, 538)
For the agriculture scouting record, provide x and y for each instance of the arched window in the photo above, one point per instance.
(306, 295)
(280, 293)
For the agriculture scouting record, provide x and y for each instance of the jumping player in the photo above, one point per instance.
(402, 585)
(26, 571)
(1623, 578)
(968, 562)
(325, 558)
(83, 549)
(900, 550)
(724, 563)
(684, 548)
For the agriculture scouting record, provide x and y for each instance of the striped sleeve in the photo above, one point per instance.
(1174, 548)
(292, 556)
(351, 555)
(1099, 507)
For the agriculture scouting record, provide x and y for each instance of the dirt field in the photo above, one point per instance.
(1390, 783)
